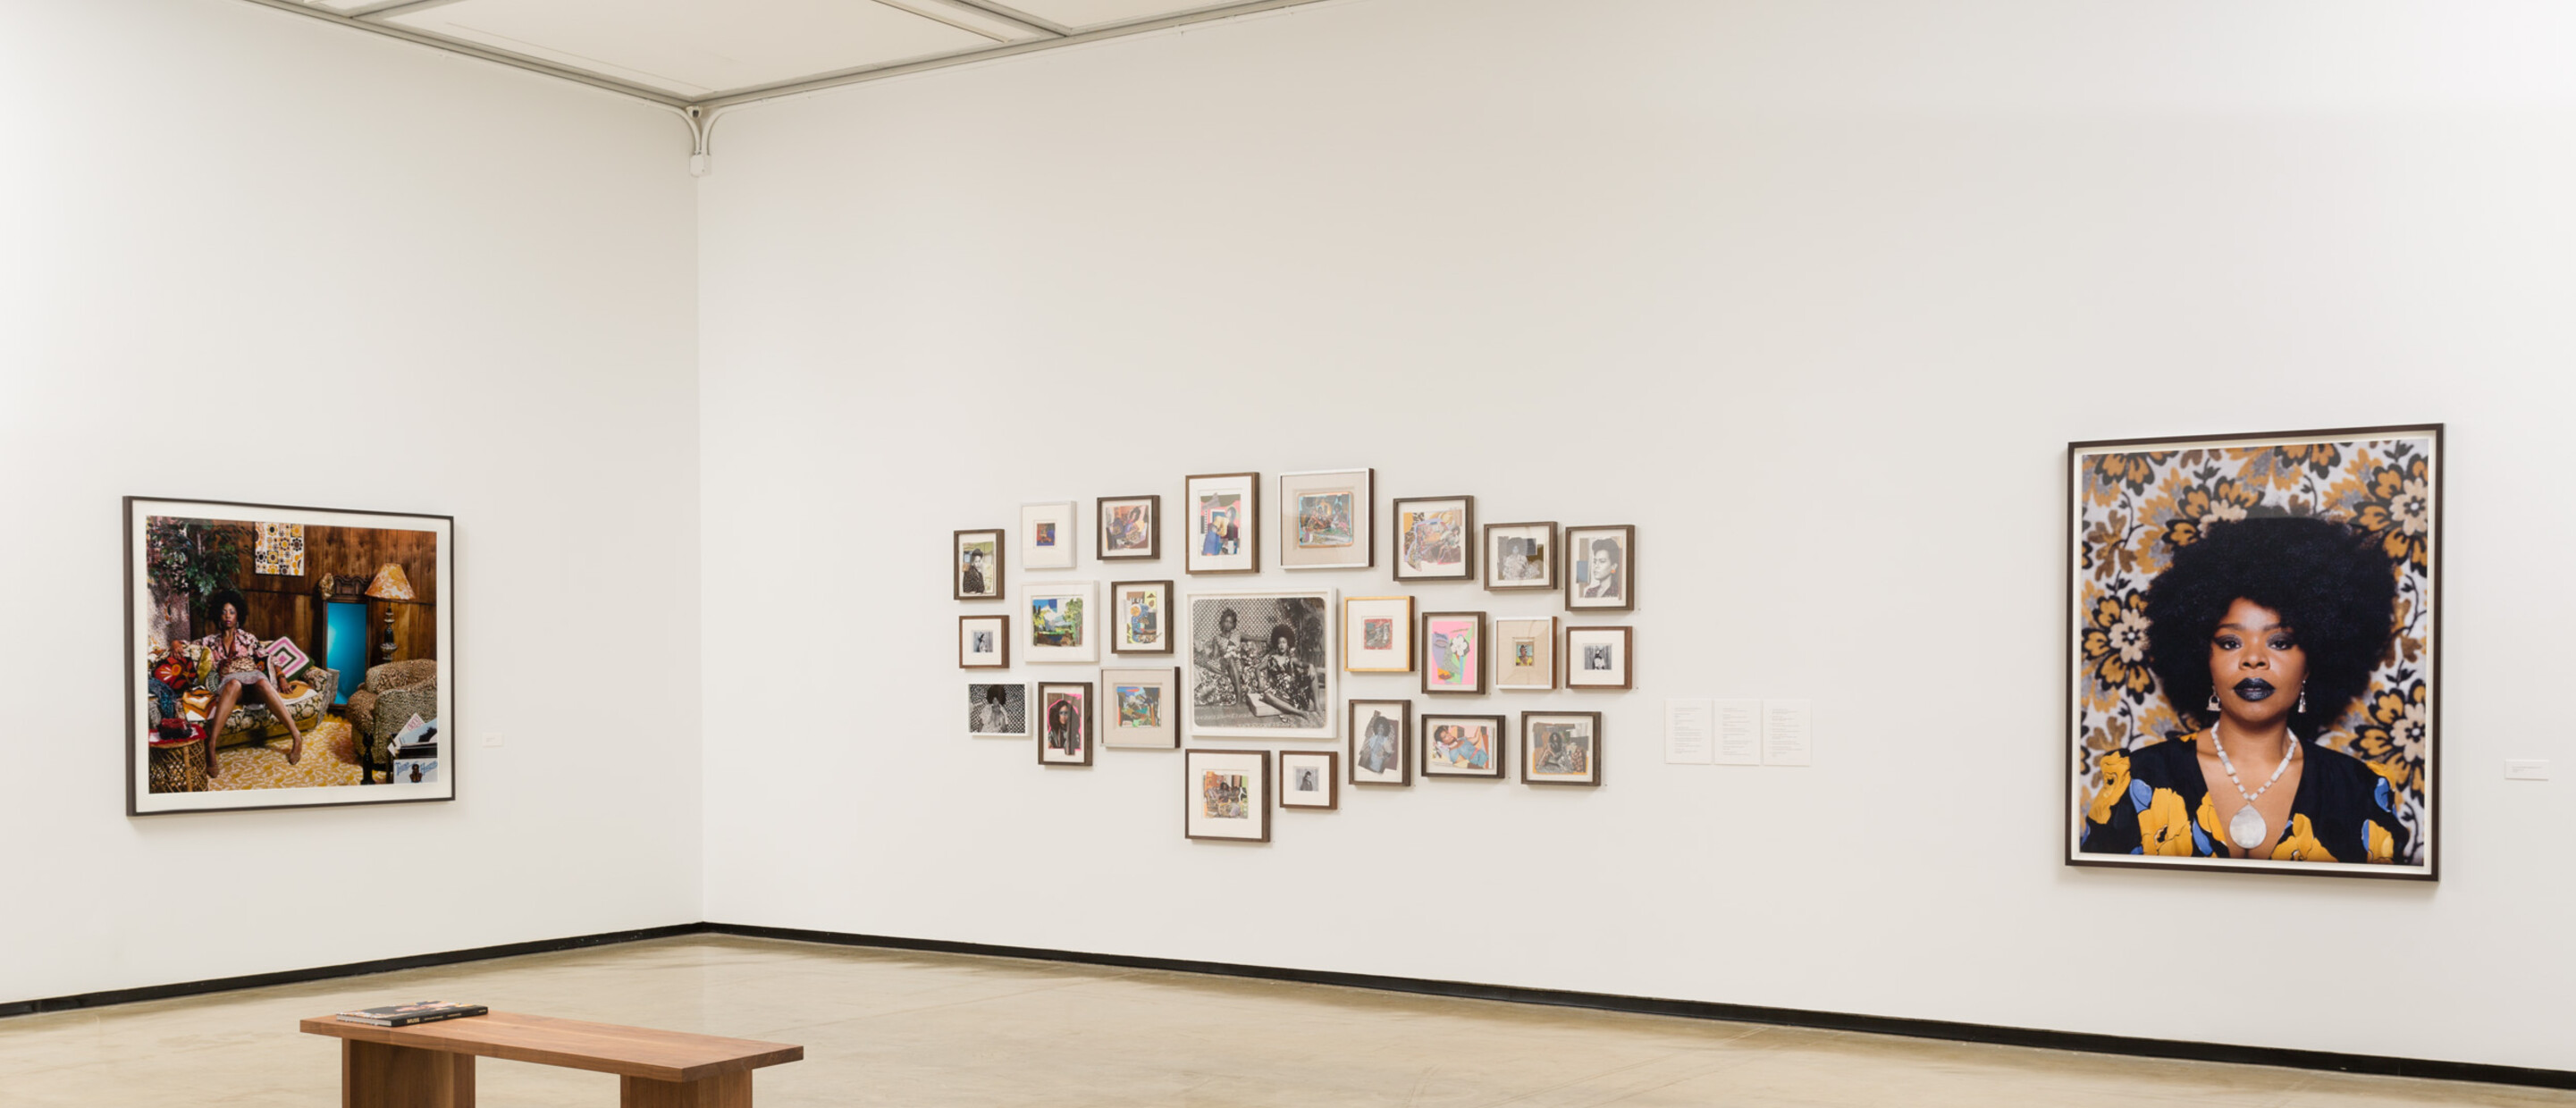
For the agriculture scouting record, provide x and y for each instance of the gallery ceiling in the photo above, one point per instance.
(715, 53)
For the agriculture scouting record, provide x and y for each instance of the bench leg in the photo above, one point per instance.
(374, 1075)
(724, 1090)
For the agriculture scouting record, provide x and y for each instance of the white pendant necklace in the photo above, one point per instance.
(2248, 828)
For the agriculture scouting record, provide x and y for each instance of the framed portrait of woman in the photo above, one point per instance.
(1065, 717)
(1381, 742)
(286, 657)
(978, 566)
(1261, 664)
(2253, 649)
(1601, 568)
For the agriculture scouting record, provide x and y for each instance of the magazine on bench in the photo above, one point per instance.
(419, 1011)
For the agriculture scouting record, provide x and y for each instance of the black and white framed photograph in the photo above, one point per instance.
(1381, 742)
(1601, 568)
(1065, 720)
(983, 642)
(1561, 748)
(1377, 634)
(1060, 621)
(1307, 779)
(1142, 615)
(1131, 528)
(998, 710)
(1600, 657)
(1143, 712)
(1435, 538)
(1224, 523)
(1225, 795)
(1047, 535)
(1261, 664)
(978, 565)
(1524, 650)
(1520, 556)
(1327, 519)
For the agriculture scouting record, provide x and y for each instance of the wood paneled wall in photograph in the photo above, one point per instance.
(291, 604)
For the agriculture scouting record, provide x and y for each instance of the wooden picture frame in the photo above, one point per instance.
(998, 710)
(1247, 681)
(1384, 620)
(1520, 568)
(1067, 716)
(1381, 742)
(2346, 512)
(1303, 774)
(1448, 670)
(1136, 607)
(1328, 519)
(1454, 746)
(1142, 709)
(1433, 538)
(1524, 653)
(1064, 624)
(1223, 524)
(1601, 658)
(1225, 795)
(987, 543)
(1130, 528)
(1568, 754)
(1050, 534)
(997, 656)
(1583, 560)
(288, 566)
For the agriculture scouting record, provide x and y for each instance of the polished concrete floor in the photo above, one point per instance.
(893, 1028)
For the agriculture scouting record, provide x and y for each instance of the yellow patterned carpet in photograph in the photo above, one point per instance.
(330, 758)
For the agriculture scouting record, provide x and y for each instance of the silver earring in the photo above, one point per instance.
(2303, 698)
(2213, 700)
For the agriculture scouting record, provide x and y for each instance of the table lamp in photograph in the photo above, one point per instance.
(390, 584)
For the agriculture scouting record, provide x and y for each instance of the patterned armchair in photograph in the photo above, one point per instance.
(392, 694)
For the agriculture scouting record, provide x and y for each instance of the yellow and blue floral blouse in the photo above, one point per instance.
(2153, 800)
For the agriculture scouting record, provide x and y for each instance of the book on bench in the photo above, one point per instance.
(405, 1015)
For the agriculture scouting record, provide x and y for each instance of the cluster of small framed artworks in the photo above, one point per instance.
(1258, 663)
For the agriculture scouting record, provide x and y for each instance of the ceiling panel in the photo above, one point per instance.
(1086, 14)
(702, 47)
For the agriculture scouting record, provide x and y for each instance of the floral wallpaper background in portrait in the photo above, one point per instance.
(2138, 508)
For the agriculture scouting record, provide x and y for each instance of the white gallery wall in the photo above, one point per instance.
(1812, 293)
(247, 256)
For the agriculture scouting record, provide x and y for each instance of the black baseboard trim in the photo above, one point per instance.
(2374, 1064)
(351, 969)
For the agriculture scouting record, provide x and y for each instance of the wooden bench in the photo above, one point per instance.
(431, 1065)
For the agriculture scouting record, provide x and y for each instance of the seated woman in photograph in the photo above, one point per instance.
(2261, 634)
(234, 668)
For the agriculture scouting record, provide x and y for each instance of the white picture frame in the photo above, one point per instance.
(1062, 620)
(1049, 534)
(1328, 519)
(1242, 682)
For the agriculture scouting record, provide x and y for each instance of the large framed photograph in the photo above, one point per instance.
(1381, 742)
(1065, 714)
(997, 710)
(1377, 634)
(1225, 794)
(978, 565)
(1047, 535)
(1462, 746)
(2253, 647)
(1131, 528)
(1435, 538)
(1560, 748)
(1600, 657)
(1143, 708)
(1327, 519)
(284, 657)
(1454, 652)
(1524, 652)
(983, 642)
(1261, 664)
(1308, 779)
(1143, 611)
(1224, 523)
(1601, 568)
(1060, 622)
(1520, 556)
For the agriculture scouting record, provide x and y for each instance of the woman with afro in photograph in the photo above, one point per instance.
(2261, 634)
